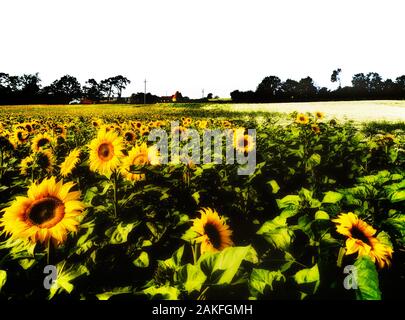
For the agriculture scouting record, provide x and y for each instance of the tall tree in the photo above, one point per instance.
(30, 84)
(335, 77)
(400, 83)
(120, 83)
(65, 88)
(306, 88)
(269, 87)
(360, 81)
(289, 89)
(92, 90)
(374, 82)
(117, 83)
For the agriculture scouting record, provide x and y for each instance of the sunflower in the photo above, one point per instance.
(25, 164)
(360, 239)
(139, 156)
(105, 152)
(178, 130)
(6, 143)
(129, 136)
(28, 127)
(45, 160)
(60, 131)
(202, 124)
(96, 123)
(214, 233)
(143, 130)
(137, 124)
(186, 122)
(42, 141)
(21, 136)
(319, 115)
(70, 162)
(226, 124)
(48, 212)
(302, 119)
(315, 129)
(242, 142)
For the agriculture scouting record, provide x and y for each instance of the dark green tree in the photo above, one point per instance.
(335, 77)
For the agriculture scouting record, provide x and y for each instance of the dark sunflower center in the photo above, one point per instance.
(42, 142)
(44, 161)
(129, 136)
(105, 151)
(43, 210)
(20, 136)
(213, 235)
(358, 234)
(245, 142)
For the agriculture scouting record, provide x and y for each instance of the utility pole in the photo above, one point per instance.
(144, 95)
(203, 93)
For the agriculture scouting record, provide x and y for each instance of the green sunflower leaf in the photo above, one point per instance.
(3, 278)
(223, 266)
(308, 280)
(261, 280)
(192, 277)
(367, 279)
(332, 197)
(142, 261)
(164, 293)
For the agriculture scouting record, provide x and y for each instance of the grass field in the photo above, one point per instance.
(83, 189)
(359, 111)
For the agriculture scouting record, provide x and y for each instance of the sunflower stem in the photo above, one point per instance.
(201, 296)
(114, 182)
(1, 163)
(48, 252)
(342, 252)
(194, 250)
(33, 168)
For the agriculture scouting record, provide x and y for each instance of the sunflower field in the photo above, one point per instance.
(86, 192)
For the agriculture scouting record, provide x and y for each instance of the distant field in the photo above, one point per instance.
(359, 111)
(363, 111)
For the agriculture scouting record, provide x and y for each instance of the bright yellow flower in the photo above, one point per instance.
(48, 212)
(25, 164)
(315, 129)
(139, 156)
(60, 131)
(302, 119)
(319, 115)
(202, 124)
(45, 160)
(214, 233)
(242, 142)
(129, 136)
(105, 152)
(20, 136)
(361, 240)
(42, 141)
(70, 162)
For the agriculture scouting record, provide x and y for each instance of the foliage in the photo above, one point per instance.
(135, 239)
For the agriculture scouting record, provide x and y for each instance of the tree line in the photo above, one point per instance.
(27, 89)
(370, 86)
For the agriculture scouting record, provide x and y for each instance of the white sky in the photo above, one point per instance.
(187, 45)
